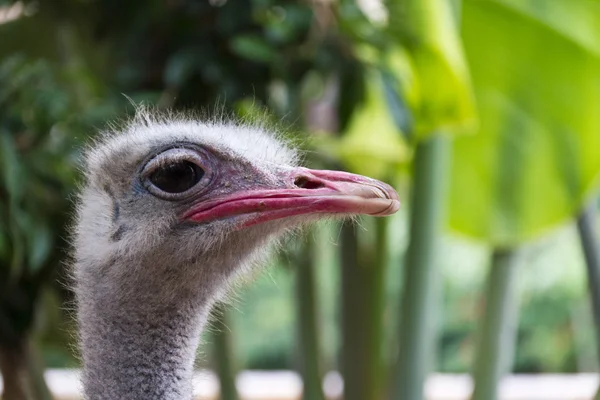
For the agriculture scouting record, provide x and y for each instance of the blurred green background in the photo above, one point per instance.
(483, 114)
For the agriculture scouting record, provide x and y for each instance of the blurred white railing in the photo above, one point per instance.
(286, 385)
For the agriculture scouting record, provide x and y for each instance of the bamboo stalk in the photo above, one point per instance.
(589, 244)
(498, 333)
(308, 326)
(418, 330)
(588, 237)
(362, 313)
(36, 370)
(224, 356)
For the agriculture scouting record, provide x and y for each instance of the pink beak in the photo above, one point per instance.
(314, 192)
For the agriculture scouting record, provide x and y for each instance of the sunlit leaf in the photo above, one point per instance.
(538, 92)
(436, 77)
(372, 144)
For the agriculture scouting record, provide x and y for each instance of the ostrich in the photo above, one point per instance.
(171, 211)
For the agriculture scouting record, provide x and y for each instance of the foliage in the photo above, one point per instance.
(36, 176)
(538, 152)
(37, 173)
(428, 57)
(370, 144)
(534, 158)
(64, 77)
(552, 319)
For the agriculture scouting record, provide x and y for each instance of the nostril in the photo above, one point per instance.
(306, 183)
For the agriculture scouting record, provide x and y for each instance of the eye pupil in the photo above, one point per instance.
(177, 177)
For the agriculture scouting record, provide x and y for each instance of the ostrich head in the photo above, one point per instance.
(172, 209)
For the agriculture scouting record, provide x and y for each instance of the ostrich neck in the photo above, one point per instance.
(142, 344)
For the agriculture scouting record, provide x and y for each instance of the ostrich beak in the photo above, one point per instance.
(308, 192)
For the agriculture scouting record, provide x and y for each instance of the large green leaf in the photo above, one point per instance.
(372, 143)
(535, 66)
(438, 86)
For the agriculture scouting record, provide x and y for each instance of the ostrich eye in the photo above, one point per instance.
(176, 177)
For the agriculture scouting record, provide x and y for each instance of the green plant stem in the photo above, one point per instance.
(591, 251)
(36, 369)
(308, 326)
(224, 355)
(499, 328)
(362, 313)
(418, 330)
(586, 225)
(362, 302)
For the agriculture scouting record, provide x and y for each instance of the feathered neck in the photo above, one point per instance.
(140, 356)
(140, 342)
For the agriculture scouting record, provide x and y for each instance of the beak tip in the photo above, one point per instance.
(391, 209)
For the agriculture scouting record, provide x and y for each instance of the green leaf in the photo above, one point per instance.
(538, 91)
(17, 256)
(40, 245)
(12, 173)
(4, 238)
(431, 66)
(397, 106)
(253, 48)
(372, 144)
